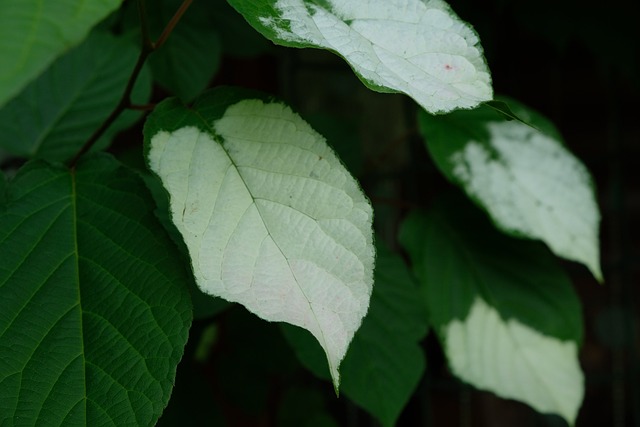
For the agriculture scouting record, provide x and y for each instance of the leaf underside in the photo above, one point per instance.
(506, 314)
(414, 47)
(270, 216)
(524, 177)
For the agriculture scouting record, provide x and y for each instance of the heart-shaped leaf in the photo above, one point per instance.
(94, 313)
(270, 216)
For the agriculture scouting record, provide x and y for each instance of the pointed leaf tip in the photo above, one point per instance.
(271, 217)
(529, 183)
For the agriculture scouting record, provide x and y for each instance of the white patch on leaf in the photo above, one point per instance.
(417, 47)
(272, 220)
(515, 361)
(532, 185)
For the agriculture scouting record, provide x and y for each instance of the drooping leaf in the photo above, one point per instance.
(384, 363)
(271, 218)
(414, 47)
(506, 314)
(525, 178)
(188, 60)
(56, 113)
(93, 312)
(33, 33)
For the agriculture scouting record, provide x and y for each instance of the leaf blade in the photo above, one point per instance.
(375, 377)
(507, 316)
(421, 49)
(97, 342)
(51, 28)
(256, 187)
(528, 182)
(57, 112)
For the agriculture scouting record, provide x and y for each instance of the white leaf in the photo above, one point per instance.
(272, 220)
(532, 185)
(515, 361)
(417, 47)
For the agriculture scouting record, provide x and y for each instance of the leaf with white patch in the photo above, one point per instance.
(506, 314)
(420, 48)
(270, 216)
(526, 179)
(515, 361)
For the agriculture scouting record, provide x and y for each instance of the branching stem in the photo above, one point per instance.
(148, 47)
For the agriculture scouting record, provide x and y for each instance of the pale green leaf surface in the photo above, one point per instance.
(34, 32)
(270, 216)
(93, 312)
(385, 362)
(204, 305)
(420, 48)
(528, 181)
(506, 314)
(56, 113)
(515, 361)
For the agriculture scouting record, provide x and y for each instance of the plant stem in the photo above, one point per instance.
(172, 24)
(148, 47)
(125, 102)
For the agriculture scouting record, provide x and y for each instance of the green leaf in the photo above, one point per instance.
(384, 363)
(342, 135)
(186, 63)
(525, 178)
(506, 314)
(59, 111)
(414, 47)
(238, 38)
(3, 189)
(94, 315)
(270, 216)
(34, 32)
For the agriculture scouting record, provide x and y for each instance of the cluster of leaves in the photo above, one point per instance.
(241, 197)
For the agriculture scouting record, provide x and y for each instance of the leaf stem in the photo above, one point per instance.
(148, 47)
(172, 24)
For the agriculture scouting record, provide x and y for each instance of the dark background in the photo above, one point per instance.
(577, 64)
